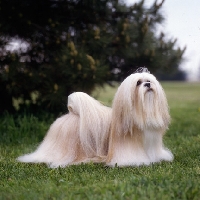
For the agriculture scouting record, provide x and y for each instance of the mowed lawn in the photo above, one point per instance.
(179, 179)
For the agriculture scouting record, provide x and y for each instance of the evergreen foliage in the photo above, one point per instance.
(75, 45)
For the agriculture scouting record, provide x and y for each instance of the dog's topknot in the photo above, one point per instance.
(142, 69)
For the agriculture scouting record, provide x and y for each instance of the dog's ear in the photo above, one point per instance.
(142, 69)
(122, 107)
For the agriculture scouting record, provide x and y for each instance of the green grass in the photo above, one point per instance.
(179, 179)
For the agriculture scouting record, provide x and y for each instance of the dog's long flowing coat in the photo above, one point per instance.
(128, 134)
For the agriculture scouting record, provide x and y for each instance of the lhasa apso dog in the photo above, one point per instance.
(128, 134)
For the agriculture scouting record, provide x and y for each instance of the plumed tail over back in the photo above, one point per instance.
(94, 123)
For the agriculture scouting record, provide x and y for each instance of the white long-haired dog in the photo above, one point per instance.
(128, 134)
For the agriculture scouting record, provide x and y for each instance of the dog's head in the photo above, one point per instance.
(141, 102)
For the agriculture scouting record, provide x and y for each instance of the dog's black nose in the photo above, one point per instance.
(147, 85)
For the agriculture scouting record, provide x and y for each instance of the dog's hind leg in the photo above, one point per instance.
(59, 147)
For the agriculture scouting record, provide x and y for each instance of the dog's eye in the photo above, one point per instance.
(148, 81)
(139, 82)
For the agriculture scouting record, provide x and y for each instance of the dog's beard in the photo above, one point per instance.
(149, 111)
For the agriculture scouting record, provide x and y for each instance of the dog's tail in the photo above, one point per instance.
(94, 123)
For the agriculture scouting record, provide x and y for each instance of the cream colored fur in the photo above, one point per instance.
(128, 134)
